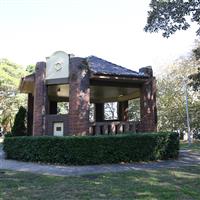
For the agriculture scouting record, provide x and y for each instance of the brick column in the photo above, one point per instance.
(99, 112)
(148, 103)
(30, 114)
(40, 100)
(123, 111)
(79, 97)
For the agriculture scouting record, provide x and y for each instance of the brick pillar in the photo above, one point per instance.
(79, 97)
(30, 114)
(40, 100)
(99, 112)
(123, 111)
(52, 107)
(148, 104)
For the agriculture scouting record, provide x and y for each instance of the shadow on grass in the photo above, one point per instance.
(182, 183)
(194, 147)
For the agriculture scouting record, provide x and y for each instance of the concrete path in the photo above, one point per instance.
(186, 159)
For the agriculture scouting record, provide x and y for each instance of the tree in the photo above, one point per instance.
(19, 128)
(169, 16)
(134, 109)
(10, 99)
(195, 80)
(171, 97)
(195, 77)
(30, 69)
(110, 111)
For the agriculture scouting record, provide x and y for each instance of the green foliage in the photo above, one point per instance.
(195, 80)
(93, 149)
(172, 15)
(19, 128)
(62, 108)
(171, 97)
(10, 99)
(134, 109)
(30, 69)
(9, 134)
(195, 77)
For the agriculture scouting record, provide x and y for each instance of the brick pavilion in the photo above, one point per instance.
(82, 81)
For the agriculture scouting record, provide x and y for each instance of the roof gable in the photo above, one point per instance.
(100, 66)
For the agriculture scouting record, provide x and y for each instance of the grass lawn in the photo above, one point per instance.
(150, 184)
(194, 147)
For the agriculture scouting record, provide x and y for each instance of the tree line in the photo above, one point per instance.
(171, 100)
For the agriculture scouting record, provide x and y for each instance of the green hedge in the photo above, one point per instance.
(93, 149)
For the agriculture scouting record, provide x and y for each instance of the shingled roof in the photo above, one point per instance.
(100, 66)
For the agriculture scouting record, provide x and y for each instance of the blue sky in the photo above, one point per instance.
(111, 29)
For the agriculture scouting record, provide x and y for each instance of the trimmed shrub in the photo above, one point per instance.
(93, 149)
(19, 128)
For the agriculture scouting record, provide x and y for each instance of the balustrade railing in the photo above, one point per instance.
(112, 128)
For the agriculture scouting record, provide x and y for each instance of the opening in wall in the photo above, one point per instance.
(111, 111)
(92, 113)
(134, 109)
(62, 108)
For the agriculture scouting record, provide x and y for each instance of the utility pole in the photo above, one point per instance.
(187, 112)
